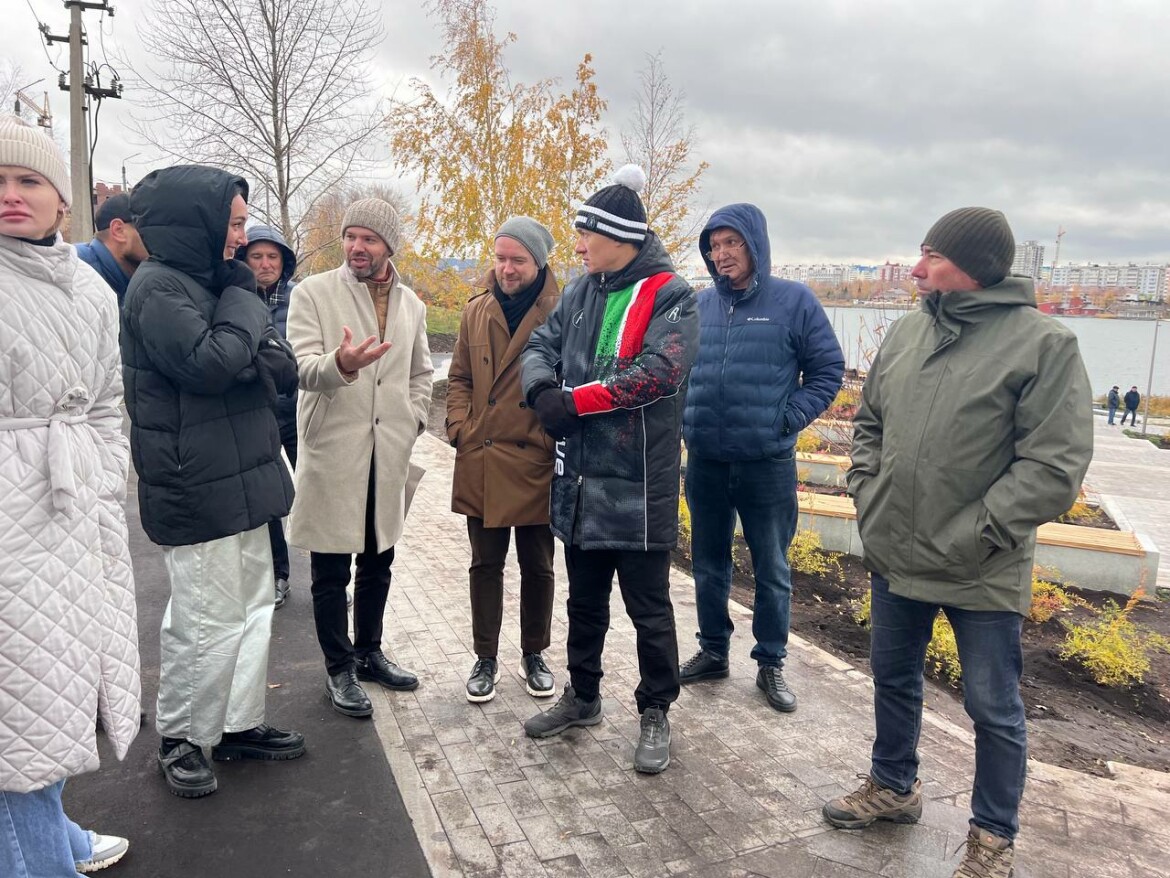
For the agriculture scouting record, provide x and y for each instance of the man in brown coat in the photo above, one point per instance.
(504, 459)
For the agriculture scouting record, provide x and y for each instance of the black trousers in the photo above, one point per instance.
(534, 551)
(371, 586)
(280, 568)
(644, 578)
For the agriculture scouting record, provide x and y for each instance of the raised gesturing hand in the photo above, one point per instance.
(351, 357)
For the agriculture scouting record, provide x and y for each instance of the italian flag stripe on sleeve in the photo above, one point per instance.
(594, 397)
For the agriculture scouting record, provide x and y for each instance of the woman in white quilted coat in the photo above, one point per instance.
(68, 623)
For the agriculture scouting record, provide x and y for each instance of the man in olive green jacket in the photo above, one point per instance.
(975, 427)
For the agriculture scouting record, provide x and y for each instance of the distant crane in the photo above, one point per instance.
(1055, 260)
(44, 115)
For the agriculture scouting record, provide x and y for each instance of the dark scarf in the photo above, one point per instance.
(515, 307)
(41, 242)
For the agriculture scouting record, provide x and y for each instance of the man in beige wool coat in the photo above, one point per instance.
(360, 339)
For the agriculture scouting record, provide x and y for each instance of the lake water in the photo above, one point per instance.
(1115, 351)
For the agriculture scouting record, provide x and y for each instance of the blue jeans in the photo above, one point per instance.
(763, 492)
(992, 662)
(37, 840)
(1112, 412)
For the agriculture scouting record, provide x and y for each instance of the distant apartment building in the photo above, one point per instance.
(1029, 259)
(893, 273)
(827, 274)
(1143, 281)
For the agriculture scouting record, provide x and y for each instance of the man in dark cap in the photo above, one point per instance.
(607, 376)
(116, 250)
(975, 427)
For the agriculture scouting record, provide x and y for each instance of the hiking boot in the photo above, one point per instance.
(652, 754)
(775, 688)
(282, 590)
(703, 665)
(376, 667)
(538, 679)
(185, 768)
(263, 742)
(569, 711)
(987, 856)
(106, 850)
(481, 685)
(871, 802)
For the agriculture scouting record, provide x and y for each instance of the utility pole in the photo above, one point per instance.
(80, 88)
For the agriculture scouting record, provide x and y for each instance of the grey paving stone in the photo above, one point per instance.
(454, 810)
(662, 838)
(546, 837)
(570, 816)
(521, 799)
(472, 848)
(597, 856)
(520, 861)
(498, 824)
(480, 789)
(564, 867)
(641, 861)
(613, 826)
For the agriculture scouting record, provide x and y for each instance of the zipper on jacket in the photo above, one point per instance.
(723, 366)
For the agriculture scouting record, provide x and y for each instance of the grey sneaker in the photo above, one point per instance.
(871, 802)
(987, 856)
(569, 711)
(652, 754)
(106, 850)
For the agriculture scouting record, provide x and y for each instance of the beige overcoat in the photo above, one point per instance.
(342, 426)
(503, 458)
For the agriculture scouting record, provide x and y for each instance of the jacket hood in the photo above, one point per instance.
(651, 259)
(182, 214)
(264, 232)
(971, 306)
(749, 222)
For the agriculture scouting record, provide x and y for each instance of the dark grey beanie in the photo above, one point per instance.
(978, 240)
(534, 237)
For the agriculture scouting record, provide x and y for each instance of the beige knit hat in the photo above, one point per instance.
(377, 216)
(24, 146)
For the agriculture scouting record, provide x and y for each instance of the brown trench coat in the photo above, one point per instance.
(503, 457)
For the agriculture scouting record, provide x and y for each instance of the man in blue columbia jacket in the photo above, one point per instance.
(768, 364)
(116, 250)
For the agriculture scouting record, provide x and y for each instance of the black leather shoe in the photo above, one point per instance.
(379, 669)
(185, 768)
(771, 681)
(652, 754)
(569, 711)
(538, 679)
(262, 742)
(703, 665)
(282, 590)
(481, 685)
(347, 694)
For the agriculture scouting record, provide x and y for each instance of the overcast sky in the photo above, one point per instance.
(853, 124)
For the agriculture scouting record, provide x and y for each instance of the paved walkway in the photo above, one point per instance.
(1133, 476)
(743, 794)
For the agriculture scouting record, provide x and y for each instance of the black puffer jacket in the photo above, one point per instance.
(203, 433)
(616, 482)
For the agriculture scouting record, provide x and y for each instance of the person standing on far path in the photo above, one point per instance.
(504, 461)
(68, 617)
(975, 427)
(1113, 400)
(362, 406)
(274, 264)
(1132, 400)
(769, 363)
(607, 375)
(116, 250)
(203, 369)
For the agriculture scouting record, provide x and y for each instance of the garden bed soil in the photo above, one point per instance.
(1072, 721)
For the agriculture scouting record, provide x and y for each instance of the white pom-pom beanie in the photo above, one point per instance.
(616, 211)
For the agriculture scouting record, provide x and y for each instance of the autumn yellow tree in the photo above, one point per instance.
(492, 148)
(659, 140)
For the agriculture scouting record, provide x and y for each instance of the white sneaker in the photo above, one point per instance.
(107, 850)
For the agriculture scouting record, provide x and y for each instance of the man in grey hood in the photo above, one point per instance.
(274, 263)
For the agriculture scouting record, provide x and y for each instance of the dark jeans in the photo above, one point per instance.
(992, 662)
(534, 551)
(280, 568)
(1112, 412)
(644, 578)
(1131, 414)
(763, 492)
(371, 586)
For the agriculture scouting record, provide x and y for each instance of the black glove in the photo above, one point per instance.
(276, 366)
(233, 273)
(557, 412)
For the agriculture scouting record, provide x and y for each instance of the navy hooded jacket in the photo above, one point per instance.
(769, 362)
(98, 255)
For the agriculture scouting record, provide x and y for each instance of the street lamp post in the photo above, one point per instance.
(1150, 381)
(125, 185)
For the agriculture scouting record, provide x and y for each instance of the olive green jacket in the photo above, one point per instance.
(975, 427)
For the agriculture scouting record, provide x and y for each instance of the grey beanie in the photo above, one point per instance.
(535, 238)
(378, 216)
(978, 240)
(24, 146)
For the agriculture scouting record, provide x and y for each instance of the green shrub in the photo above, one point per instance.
(1113, 648)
